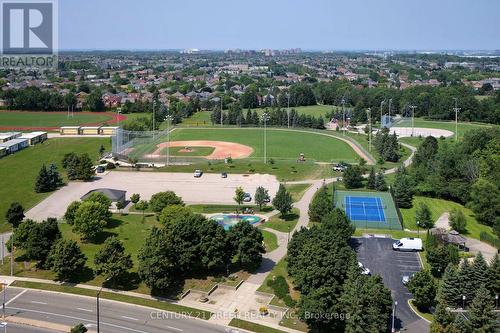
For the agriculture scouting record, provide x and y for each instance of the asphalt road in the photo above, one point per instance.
(377, 255)
(115, 317)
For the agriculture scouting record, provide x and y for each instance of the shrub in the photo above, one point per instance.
(281, 290)
(487, 238)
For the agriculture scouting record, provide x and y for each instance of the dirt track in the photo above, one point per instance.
(222, 149)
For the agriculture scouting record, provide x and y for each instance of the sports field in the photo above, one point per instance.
(445, 125)
(369, 210)
(44, 120)
(310, 110)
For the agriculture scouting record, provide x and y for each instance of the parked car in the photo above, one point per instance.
(364, 270)
(223, 175)
(247, 197)
(100, 169)
(408, 244)
(198, 173)
(340, 167)
(406, 279)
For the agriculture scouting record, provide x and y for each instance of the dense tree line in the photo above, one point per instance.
(335, 297)
(387, 145)
(467, 172)
(78, 167)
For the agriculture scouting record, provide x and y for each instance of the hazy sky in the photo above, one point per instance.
(279, 24)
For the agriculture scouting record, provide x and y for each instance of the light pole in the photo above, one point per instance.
(393, 316)
(154, 104)
(118, 111)
(457, 110)
(4, 285)
(496, 301)
(343, 116)
(369, 115)
(221, 114)
(4, 325)
(390, 103)
(99, 294)
(412, 107)
(12, 255)
(463, 302)
(418, 230)
(265, 118)
(288, 110)
(168, 119)
(381, 109)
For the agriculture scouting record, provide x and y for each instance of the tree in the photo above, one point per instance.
(423, 216)
(402, 189)
(142, 206)
(111, 261)
(101, 150)
(84, 168)
(467, 283)
(120, 205)
(443, 320)
(156, 268)
(161, 200)
(457, 220)
(261, 197)
(321, 205)
(481, 272)
(239, 196)
(134, 198)
(100, 198)
(485, 207)
(174, 213)
(494, 269)
(482, 316)
(80, 328)
(440, 256)
(370, 184)
(449, 290)
(54, 177)
(40, 240)
(42, 181)
(90, 219)
(69, 216)
(246, 242)
(283, 201)
(66, 258)
(353, 177)
(423, 288)
(215, 251)
(380, 184)
(15, 214)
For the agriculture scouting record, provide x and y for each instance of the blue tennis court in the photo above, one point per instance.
(368, 209)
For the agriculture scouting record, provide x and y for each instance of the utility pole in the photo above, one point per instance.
(390, 103)
(381, 109)
(288, 110)
(412, 107)
(265, 118)
(393, 316)
(168, 119)
(457, 110)
(369, 115)
(4, 285)
(154, 104)
(118, 111)
(12, 255)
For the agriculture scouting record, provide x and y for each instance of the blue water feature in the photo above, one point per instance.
(229, 220)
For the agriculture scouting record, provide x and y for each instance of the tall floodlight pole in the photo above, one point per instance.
(393, 329)
(12, 255)
(369, 115)
(221, 115)
(168, 119)
(412, 107)
(381, 109)
(390, 103)
(265, 118)
(343, 116)
(154, 104)
(457, 110)
(288, 110)
(118, 111)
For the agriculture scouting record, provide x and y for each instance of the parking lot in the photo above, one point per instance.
(208, 189)
(376, 254)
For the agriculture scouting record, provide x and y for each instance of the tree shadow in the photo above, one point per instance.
(128, 281)
(114, 223)
(289, 217)
(102, 236)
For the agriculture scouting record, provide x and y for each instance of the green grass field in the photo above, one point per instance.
(19, 171)
(281, 144)
(440, 206)
(310, 110)
(270, 240)
(283, 224)
(297, 190)
(446, 125)
(44, 119)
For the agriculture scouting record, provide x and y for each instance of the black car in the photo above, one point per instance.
(100, 169)
(223, 175)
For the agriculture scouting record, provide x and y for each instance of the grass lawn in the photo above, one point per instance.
(49, 119)
(249, 326)
(18, 172)
(446, 125)
(440, 206)
(195, 151)
(270, 240)
(426, 315)
(310, 110)
(201, 118)
(166, 306)
(211, 209)
(282, 169)
(281, 144)
(285, 224)
(297, 190)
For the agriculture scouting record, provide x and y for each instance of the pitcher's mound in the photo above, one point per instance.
(221, 151)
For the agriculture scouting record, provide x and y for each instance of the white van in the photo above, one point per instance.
(408, 244)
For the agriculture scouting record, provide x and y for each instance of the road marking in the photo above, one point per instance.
(130, 318)
(35, 302)
(86, 310)
(15, 297)
(175, 329)
(77, 318)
